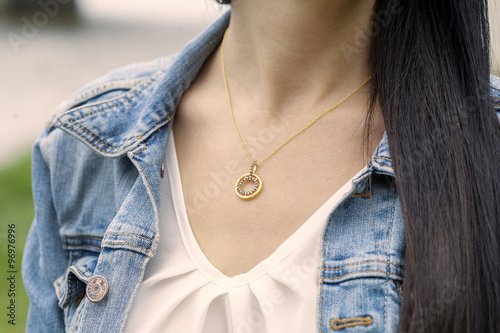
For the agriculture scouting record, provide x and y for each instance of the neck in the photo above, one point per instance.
(286, 51)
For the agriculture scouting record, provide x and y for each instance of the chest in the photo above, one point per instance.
(235, 234)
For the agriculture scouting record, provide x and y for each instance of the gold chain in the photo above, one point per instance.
(290, 138)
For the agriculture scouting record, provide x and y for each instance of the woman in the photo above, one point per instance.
(140, 224)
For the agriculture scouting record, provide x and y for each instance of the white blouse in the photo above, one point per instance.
(183, 292)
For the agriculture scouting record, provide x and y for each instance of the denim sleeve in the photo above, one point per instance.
(44, 259)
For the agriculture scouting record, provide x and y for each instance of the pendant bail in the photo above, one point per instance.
(253, 168)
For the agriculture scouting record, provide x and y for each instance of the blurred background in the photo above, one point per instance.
(48, 52)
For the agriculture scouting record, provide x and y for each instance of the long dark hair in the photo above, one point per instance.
(430, 66)
(431, 72)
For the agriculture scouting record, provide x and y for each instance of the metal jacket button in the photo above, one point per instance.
(97, 289)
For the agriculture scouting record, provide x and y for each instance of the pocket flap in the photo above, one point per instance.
(337, 272)
(72, 284)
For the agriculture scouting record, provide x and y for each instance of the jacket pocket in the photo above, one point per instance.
(70, 287)
(360, 296)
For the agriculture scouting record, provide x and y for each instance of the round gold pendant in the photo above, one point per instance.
(249, 178)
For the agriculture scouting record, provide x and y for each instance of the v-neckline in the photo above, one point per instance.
(306, 234)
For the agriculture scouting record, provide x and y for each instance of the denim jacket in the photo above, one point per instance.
(96, 187)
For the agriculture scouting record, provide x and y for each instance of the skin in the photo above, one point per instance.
(285, 66)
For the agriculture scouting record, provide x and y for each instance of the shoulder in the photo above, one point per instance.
(100, 120)
(53, 142)
(108, 114)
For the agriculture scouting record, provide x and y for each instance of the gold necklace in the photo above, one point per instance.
(252, 176)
